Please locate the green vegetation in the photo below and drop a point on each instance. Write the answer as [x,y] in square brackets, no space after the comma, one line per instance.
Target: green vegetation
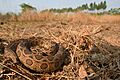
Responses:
[114,11]
[94,7]
[26,7]
[7,16]
[90,7]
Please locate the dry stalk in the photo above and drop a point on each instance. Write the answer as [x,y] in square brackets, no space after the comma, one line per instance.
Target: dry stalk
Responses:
[15,71]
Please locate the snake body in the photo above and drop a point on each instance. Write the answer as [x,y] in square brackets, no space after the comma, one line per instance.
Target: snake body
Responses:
[45,60]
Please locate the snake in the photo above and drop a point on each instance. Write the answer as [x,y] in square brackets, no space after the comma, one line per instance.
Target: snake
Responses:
[48,57]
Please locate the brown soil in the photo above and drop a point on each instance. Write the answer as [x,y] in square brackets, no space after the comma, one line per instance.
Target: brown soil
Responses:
[100,63]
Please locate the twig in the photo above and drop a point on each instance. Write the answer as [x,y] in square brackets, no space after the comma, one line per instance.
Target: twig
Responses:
[23,32]
[16,71]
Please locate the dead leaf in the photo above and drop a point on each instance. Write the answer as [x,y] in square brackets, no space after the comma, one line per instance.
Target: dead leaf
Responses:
[82,72]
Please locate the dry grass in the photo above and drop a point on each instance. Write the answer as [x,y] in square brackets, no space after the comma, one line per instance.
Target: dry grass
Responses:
[100,64]
[79,17]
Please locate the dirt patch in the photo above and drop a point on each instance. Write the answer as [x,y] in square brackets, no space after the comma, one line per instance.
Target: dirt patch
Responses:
[101,62]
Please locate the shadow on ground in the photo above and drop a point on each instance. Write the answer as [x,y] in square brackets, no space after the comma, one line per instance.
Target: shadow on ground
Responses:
[105,61]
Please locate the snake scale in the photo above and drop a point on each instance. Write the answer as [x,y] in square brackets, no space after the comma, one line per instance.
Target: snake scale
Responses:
[40,54]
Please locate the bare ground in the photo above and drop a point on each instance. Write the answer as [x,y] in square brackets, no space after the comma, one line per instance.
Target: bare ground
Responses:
[100,63]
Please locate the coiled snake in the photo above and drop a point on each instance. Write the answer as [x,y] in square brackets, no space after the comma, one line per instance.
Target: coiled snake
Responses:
[48,57]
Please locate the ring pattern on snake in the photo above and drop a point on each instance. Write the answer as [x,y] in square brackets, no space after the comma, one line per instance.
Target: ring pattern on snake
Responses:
[49,58]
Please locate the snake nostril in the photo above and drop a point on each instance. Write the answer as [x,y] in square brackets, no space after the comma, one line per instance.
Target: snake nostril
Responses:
[44,66]
[29,62]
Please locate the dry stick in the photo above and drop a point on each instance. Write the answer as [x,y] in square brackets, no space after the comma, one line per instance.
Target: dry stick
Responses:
[98,45]
[44,31]
[34,34]
[94,64]
[95,30]
[23,32]
[86,36]
[15,71]
[54,36]
[68,43]
[89,37]
[64,41]
[101,30]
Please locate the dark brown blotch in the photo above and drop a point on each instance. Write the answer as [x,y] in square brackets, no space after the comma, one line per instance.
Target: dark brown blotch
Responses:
[51,66]
[29,62]
[50,58]
[26,51]
[44,66]
[38,57]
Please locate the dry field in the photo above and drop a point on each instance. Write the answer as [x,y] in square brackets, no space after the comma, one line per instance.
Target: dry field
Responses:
[100,62]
